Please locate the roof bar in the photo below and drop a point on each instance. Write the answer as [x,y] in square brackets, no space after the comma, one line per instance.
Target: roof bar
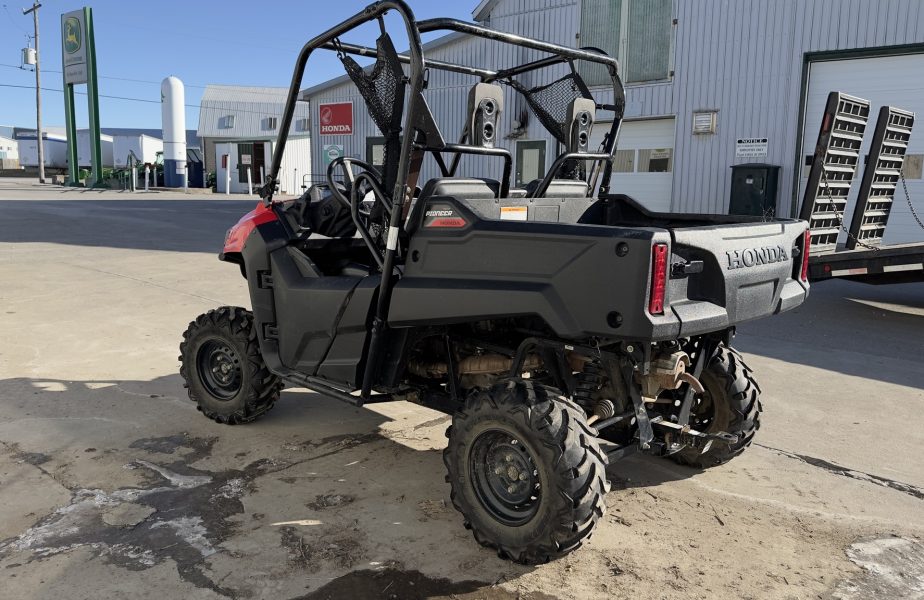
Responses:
[429,25]
[404,58]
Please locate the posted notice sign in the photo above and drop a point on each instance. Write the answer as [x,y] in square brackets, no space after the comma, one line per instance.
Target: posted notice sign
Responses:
[74,46]
[336,118]
[751,147]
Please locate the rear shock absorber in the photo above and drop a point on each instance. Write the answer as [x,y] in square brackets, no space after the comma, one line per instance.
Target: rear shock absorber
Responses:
[589,381]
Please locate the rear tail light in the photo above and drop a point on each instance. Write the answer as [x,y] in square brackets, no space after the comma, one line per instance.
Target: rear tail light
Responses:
[806,246]
[658,279]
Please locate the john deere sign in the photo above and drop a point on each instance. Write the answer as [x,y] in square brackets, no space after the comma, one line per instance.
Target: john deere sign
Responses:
[78,54]
[75,50]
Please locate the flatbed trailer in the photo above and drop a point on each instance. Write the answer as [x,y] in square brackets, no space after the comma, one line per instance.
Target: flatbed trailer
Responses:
[837,159]
[901,263]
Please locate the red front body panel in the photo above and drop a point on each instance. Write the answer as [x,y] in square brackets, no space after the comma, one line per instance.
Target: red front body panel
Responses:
[237,235]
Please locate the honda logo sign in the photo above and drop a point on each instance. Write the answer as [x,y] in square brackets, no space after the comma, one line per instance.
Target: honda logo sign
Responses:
[336,118]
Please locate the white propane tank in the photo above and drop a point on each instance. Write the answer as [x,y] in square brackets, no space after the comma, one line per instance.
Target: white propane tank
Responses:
[173,113]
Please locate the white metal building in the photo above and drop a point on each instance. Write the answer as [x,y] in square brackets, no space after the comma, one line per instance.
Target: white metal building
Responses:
[238,127]
[9,148]
[54,147]
[741,69]
[144,147]
[84,156]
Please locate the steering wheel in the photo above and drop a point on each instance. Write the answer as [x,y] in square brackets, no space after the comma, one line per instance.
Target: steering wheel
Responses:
[359,185]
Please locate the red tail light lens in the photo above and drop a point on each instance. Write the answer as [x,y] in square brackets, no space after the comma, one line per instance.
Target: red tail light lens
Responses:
[658,279]
[806,246]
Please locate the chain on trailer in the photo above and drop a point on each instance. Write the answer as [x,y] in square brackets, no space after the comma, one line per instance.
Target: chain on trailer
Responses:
[840,218]
[914,213]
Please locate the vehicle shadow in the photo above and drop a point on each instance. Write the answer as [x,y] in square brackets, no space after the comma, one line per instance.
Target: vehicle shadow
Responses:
[847,327]
[144,223]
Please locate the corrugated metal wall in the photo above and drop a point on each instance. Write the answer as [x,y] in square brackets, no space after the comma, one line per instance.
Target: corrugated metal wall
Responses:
[743,58]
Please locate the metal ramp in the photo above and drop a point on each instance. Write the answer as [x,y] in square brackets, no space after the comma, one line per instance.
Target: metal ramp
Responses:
[880,178]
[837,155]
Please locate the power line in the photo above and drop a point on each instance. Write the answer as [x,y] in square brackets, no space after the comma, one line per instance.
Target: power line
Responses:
[15,24]
[145,100]
[189,85]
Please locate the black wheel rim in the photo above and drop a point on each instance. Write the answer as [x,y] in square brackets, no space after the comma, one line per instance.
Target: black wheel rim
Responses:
[220,369]
[505,477]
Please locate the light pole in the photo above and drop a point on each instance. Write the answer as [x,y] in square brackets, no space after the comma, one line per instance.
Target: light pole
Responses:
[38,93]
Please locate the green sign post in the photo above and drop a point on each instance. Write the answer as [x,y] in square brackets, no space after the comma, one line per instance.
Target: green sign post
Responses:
[78,55]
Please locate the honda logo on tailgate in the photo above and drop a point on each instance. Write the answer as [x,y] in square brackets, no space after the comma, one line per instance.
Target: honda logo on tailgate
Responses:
[750,257]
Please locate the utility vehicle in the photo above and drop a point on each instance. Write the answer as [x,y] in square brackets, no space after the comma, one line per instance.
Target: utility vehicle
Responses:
[562,326]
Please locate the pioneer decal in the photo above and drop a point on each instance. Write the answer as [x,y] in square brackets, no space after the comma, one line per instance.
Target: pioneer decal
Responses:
[443,216]
[750,257]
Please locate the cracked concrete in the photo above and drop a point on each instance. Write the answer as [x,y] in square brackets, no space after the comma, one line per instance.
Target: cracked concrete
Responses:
[112,485]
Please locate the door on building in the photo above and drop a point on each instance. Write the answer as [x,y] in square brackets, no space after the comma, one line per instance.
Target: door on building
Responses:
[530,157]
[245,161]
[883,80]
[644,162]
[375,152]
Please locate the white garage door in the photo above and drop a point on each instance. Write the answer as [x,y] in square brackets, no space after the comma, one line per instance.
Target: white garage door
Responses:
[887,80]
[644,163]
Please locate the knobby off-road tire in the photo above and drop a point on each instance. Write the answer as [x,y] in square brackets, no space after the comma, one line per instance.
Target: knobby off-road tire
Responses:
[519,423]
[731,403]
[222,367]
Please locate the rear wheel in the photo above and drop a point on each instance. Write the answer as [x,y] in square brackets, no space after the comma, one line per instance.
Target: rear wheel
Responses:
[223,369]
[731,403]
[526,471]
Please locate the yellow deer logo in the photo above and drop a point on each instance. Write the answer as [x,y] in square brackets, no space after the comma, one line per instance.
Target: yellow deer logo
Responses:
[71,35]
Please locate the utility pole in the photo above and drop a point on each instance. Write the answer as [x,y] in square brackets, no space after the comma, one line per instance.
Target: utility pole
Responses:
[38,92]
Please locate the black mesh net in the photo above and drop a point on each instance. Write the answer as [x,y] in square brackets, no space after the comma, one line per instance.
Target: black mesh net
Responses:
[550,103]
[382,87]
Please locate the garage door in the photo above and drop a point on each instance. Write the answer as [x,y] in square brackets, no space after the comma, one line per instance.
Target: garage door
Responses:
[887,80]
[644,163]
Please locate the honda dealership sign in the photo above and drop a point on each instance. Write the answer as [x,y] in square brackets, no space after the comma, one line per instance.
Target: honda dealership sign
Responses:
[336,118]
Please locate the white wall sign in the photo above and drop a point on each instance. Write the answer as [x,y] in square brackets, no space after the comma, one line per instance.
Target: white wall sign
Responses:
[751,147]
[245,159]
[74,47]
[332,152]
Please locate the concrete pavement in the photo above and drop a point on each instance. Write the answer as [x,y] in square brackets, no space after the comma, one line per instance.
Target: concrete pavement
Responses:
[112,485]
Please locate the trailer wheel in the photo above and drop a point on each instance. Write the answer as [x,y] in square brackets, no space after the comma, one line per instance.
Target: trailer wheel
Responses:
[526,471]
[731,403]
[222,367]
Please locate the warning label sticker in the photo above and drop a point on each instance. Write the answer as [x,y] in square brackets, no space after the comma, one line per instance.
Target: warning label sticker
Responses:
[513,213]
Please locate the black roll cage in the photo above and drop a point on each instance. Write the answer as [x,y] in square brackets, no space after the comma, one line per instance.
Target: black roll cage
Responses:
[416,83]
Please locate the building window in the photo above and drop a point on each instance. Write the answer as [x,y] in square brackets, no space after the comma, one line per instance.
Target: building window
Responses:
[302,124]
[636,32]
[655,160]
[270,123]
[624,161]
[226,122]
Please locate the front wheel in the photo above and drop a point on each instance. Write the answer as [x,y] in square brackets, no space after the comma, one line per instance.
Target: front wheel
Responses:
[526,471]
[223,369]
[731,403]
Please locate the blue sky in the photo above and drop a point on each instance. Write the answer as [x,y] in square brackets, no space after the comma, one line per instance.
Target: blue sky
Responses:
[200,41]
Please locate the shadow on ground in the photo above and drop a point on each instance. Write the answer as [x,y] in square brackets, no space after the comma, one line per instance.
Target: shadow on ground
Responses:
[847,327]
[336,492]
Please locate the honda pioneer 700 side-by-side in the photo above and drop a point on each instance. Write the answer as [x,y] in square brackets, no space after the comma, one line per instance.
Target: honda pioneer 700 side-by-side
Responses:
[562,326]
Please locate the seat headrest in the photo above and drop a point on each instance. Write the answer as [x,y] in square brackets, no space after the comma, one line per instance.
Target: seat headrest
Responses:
[463,188]
[559,188]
